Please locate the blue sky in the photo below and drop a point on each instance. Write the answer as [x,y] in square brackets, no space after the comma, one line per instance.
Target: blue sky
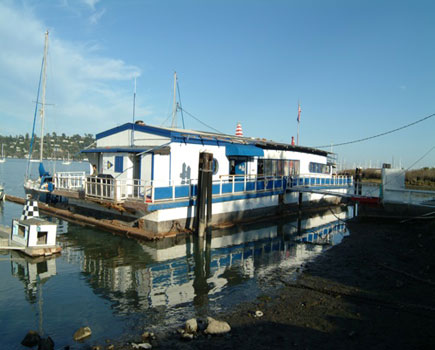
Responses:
[358,68]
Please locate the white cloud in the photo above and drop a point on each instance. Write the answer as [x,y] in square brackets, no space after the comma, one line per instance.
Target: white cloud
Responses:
[96,16]
[90,92]
[91,3]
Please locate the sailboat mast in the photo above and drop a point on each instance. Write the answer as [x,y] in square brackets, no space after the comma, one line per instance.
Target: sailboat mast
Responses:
[174,108]
[42,111]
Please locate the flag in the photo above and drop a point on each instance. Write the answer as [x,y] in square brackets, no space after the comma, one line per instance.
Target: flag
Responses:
[299,113]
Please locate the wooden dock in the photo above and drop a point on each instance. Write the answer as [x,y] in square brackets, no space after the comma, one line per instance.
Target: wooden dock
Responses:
[112,226]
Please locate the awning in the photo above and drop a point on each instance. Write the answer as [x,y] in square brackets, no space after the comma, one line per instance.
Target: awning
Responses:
[243,150]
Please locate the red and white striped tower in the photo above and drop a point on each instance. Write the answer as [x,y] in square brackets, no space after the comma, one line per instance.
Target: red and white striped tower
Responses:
[239,131]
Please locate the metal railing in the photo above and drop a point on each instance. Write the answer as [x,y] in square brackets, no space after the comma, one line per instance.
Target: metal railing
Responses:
[157,191]
[410,197]
[314,180]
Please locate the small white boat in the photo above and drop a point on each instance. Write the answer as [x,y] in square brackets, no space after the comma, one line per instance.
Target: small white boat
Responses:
[3,159]
[31,234]
[67,161]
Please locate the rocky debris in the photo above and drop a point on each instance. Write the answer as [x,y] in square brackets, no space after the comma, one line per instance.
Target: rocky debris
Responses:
[31,339]
[216,327]
[186,336]
[191,326]
[141,346]
[82,333]
[259,313]
[46,344]
[148,336]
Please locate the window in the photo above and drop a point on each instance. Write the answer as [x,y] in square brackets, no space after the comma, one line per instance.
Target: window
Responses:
[42,237]
[215,166]
[277,167]
[119,164]
[319,168]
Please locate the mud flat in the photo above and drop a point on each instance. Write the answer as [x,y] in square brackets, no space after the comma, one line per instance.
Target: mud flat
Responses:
[376,290]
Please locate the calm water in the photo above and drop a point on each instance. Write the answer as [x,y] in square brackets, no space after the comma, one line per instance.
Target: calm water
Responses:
[118,286]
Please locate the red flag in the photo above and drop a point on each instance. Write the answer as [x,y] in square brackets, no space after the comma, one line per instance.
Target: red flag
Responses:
[299,113]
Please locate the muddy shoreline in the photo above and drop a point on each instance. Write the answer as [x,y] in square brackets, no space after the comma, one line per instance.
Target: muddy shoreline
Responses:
[375,290]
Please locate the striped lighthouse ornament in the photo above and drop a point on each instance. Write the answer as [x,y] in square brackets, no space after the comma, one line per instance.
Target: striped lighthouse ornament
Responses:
[239,131]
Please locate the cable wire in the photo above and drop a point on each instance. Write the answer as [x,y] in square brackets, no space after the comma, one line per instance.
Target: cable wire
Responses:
[208,126]
[379,135]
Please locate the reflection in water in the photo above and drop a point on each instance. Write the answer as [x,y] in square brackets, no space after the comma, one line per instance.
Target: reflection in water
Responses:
[200,271]
[32,272]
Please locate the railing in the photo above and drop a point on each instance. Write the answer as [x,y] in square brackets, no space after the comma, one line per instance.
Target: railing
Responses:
[71,181]
[152,191]
[156,191]
[313,180]
[410,197]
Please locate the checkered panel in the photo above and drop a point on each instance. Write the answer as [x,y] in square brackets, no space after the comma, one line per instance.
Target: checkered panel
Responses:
[30,210]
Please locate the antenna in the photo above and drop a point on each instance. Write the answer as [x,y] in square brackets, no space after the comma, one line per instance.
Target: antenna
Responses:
[174,107]
[42,111]
[134,111]
[134,99]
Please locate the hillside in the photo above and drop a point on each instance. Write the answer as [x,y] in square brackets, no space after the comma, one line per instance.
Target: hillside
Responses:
[55,146]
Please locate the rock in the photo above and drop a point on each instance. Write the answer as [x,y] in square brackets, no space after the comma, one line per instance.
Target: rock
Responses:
[111,347]
[258,313]
[141,346]
[187,336]
[82,333]
[191,326]
[31,339]
[217,327]
[148,335]
[46,344]
[96,347]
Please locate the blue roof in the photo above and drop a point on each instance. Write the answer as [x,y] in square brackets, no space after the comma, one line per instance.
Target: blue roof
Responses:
[115,150]
[209,138]
[243,150]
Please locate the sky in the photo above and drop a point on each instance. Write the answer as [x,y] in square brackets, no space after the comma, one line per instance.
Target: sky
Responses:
[357,68]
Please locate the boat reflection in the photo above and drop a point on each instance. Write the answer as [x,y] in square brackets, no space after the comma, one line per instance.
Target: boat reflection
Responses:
[188,269]
[33,272]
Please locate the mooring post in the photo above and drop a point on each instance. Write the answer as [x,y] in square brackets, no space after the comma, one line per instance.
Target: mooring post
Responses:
[358,181]
[204,192]
[300,202]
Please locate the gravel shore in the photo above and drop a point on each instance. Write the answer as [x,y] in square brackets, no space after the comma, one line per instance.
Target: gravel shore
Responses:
[375,290]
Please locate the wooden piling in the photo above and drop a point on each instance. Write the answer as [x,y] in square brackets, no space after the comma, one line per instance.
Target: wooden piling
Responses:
[107,225]
[204,192]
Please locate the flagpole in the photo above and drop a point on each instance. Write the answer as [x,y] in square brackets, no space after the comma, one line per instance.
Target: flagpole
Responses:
[299,120]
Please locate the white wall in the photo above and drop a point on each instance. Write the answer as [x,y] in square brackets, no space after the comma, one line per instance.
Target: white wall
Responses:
[51,234]
[161,169]
[146,164]
[123,139]
[108,165]
[185,158]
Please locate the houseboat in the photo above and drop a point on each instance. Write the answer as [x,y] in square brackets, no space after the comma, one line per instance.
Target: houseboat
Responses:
[147,176]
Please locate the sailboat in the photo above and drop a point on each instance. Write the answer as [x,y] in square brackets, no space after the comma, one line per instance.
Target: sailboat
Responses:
[66,161]
[2,159]
[40,188]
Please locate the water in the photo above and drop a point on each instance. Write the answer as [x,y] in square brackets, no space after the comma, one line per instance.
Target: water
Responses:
[120,286]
